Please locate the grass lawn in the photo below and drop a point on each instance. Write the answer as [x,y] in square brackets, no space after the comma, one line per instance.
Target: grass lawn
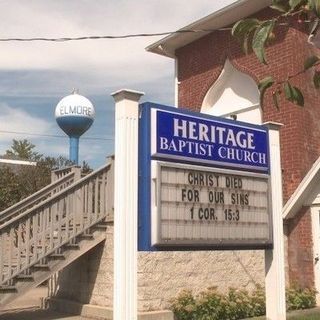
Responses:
[308,314]
[311,317]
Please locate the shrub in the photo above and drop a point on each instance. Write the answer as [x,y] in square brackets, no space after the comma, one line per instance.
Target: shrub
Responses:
[184,306]
[236,304]
[212,305]
[298,298]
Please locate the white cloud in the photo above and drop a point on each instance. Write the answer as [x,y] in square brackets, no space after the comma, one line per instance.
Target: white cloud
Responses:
[44,72]
[99,61]
[17,120]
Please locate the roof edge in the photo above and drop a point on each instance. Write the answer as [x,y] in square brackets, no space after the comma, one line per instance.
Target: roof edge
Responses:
[168,45]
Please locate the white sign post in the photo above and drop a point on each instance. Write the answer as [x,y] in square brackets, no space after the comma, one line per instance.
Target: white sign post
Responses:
[126,204]
[274,259]
[208,196]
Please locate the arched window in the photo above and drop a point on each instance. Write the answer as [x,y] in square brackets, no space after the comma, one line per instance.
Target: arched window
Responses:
[234,95]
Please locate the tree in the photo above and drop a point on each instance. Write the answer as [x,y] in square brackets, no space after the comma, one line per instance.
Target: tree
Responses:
[10,193]
[23,149]
[18,184]
[254,35]
[85,168]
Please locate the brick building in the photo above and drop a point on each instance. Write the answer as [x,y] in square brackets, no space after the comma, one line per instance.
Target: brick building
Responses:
[214,76]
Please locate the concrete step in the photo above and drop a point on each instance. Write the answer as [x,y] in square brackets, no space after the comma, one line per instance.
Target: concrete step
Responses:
[71,246]
[57,256]
[24,277]
[40,266]
[6,289]
[86,237]
[50,265]
[32,299]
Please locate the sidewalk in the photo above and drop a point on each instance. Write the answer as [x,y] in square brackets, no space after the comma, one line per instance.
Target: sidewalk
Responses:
[31,299]
[36,314]
[27,307]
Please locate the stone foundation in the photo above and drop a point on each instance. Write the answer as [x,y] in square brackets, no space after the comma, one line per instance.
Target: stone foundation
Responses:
[161,275]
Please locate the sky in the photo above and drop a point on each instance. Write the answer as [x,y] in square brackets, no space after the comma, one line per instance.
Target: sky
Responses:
[34,76]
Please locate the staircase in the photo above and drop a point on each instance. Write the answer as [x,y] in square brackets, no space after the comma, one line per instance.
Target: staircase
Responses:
[47,231]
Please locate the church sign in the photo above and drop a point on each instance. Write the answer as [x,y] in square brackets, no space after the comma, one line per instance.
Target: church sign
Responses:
[204,182]
[209,140]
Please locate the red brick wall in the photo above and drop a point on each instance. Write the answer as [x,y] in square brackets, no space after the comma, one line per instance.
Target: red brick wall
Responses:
[200,64]
[299,251]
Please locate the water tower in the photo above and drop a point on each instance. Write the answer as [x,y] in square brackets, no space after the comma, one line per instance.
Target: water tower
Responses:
[74,115]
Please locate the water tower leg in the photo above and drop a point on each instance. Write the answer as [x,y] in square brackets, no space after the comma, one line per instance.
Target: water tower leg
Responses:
[74,150]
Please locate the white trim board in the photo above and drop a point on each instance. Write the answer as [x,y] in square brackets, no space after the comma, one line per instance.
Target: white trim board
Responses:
[305,194]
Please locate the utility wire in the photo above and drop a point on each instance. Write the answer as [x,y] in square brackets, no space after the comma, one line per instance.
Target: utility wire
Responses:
[51,135]
[136,35]
[123,36]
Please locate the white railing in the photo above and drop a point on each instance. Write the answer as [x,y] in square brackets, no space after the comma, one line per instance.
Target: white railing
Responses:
[39,196]
[30,237]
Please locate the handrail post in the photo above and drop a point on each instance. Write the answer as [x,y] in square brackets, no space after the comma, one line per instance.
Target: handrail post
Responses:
[53,176]
[59,173]
[77,173]
[110,191]
[126,204]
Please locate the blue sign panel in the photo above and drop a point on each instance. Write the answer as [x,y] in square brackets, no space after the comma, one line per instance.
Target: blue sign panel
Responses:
[193,138]
[198,143]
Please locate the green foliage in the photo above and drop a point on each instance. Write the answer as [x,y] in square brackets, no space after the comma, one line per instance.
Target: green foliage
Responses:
[212,305]
[310,62]
[255,34]
[298,298]
[184,306]
[281,5]
[258,31]
[54,163]
[18,183]
[10,192]
[293,94]
[85,168]
[316,79]
[260,38]
[236,304]
[296,3]
[263,85]
[243,30]
[243,27]
[23,149]
[315,7]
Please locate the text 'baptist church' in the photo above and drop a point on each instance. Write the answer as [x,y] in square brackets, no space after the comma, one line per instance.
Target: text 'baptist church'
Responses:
[211,141]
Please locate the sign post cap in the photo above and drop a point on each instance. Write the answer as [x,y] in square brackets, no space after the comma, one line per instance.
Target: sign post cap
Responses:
[127,94]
